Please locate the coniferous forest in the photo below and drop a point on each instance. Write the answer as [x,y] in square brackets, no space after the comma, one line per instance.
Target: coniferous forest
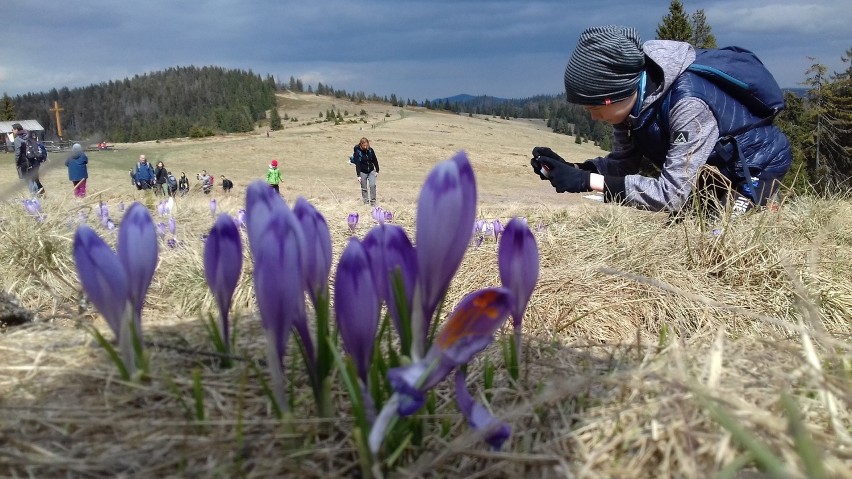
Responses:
[177,102]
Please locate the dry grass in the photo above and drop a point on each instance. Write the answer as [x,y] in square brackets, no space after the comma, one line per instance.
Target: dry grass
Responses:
[651,350]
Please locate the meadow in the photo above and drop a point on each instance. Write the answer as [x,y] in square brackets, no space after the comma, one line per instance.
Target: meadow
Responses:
[650,349]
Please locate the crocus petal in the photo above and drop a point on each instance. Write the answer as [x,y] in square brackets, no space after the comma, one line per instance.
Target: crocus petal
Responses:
[276,243]
[318,254]
[469,330]
[518,262]
[137,250]
[356,305]
[448,197]
[102,276]
[261,204]
[378,214]
[223,263]
[352,221]
[494,431]
[161,229]
[498,228]
[389,251]
[213,206]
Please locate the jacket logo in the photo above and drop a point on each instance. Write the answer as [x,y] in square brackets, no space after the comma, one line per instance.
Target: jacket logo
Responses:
[680,137]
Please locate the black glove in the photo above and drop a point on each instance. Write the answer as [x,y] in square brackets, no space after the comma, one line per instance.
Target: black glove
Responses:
[536,167]
[545,151]
[565,177]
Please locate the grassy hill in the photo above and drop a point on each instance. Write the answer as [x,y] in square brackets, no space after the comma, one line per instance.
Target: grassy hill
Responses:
[650,350]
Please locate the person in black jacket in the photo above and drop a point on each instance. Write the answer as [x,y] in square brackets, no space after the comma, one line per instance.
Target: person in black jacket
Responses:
[161,177]
[227,184]
[183,184]
[366,169]
[27,169]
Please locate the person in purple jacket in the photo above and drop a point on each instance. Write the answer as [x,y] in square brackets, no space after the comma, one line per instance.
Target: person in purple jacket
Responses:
[621,80]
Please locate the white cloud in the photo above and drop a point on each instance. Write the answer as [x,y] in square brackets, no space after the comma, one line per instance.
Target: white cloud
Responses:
[794,18]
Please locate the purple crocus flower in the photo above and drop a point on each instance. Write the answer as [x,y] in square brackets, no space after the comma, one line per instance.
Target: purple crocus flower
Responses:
[161,229]
[276,243]
[223,263]
[318,255]
[497,226]
[137,250]
[172,225]
[517,260]
[389,250]
[352,221]
[241,218]
[171,243]
[378,214]
[121,206]
[448,197]
[110,225]
[161,208]
[33,207]
[99,209]
[356,305]
[494,431]
[388,216]
[213,206]
[102,276]
[469,329]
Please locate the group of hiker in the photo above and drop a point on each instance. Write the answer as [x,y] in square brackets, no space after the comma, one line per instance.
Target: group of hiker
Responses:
[163,182]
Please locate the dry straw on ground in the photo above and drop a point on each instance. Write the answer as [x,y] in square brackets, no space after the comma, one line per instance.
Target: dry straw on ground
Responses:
[651,350]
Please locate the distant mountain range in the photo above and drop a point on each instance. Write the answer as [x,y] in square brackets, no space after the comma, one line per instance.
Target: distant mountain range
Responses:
[467,99]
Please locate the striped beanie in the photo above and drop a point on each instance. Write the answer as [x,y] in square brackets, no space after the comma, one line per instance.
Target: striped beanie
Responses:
[605,67]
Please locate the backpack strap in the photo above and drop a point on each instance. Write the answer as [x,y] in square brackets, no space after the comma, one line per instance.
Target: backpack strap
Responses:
[726,148]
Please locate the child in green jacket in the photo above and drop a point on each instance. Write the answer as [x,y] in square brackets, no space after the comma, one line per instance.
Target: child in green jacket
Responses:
[273,175]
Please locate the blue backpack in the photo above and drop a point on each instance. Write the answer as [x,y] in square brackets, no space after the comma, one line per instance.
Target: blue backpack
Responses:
[739,73]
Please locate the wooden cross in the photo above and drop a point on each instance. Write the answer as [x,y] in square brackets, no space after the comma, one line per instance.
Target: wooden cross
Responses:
[56,109]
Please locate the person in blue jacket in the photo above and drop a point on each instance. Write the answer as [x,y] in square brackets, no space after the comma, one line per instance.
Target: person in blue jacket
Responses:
[620,80]
[143,174]
[78,171]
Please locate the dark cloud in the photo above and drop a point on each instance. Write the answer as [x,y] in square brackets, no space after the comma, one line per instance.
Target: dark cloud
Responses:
[416,50]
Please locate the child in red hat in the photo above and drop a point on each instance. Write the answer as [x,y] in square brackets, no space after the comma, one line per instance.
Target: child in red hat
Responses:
[273,175]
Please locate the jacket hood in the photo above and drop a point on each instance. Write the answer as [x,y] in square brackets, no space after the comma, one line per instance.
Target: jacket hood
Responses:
[673,58]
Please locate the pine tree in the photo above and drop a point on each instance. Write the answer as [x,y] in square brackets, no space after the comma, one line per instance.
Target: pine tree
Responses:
[836,138]
[7,111]
[675,25]
[702,36]
[274,120]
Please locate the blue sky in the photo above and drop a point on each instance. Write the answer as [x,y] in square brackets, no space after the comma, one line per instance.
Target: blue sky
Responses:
[415,49]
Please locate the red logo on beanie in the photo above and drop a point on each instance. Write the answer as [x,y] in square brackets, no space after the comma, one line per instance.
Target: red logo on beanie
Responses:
[607,102]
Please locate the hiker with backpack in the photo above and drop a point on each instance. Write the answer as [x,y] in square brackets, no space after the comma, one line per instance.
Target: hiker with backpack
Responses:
[172,183]
[143,174]
[78,172]
[28,158]
[670,103]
